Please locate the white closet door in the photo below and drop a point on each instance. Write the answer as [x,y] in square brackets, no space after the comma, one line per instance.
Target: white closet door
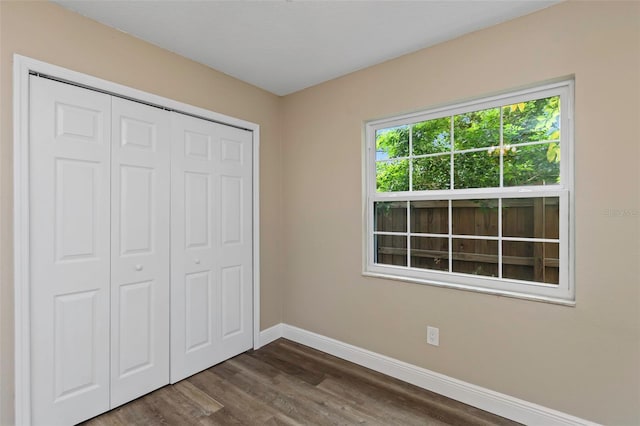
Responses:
[140,223]
[235,245]
[211,263]
[69,249]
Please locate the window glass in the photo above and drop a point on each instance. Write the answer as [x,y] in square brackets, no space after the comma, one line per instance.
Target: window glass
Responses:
[531,217]
[532,165]
[479,169]
[432,173]
[391,250]
[430,253]
[476,257]
[475,217]
[432,136]
[531,121]
[392,175]
[391,216]
[430,217]
[530,261]
[477,129]
[392,143]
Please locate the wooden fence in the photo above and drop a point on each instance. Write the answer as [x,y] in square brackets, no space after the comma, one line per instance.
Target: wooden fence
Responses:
[521,218]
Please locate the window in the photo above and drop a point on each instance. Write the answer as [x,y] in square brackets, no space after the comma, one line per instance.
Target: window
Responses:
[475,195]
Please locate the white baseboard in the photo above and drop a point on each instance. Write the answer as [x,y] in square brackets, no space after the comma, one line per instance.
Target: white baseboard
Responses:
[485,399]
[270,334]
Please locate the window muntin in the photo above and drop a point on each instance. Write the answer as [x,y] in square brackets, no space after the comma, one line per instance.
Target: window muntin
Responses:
[475,195]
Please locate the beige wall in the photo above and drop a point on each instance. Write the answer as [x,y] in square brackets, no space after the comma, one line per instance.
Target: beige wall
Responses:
[49,33]
[584,360]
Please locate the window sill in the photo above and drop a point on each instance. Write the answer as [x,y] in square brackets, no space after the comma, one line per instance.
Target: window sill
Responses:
[495,292]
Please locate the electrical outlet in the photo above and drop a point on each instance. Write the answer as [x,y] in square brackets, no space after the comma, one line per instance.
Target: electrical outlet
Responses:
[433,336]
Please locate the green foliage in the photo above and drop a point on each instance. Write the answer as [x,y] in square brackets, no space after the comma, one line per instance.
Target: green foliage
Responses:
[431,173]
[522,123]
[394,142]
[476,170]
[477,129]
[432,136]
[392,176]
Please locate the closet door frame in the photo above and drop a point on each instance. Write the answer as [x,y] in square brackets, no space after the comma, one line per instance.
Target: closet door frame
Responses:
[22,67]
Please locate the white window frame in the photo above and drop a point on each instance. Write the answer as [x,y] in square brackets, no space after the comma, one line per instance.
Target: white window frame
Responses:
[562,293]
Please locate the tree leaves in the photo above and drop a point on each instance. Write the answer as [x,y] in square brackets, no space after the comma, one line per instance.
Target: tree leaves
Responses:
[521,106]
[530,148]
[553,153]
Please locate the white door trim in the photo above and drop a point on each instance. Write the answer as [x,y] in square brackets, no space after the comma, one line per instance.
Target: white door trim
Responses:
[22,67]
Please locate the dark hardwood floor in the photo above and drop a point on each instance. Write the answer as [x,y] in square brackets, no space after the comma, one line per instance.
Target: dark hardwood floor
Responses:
[285,383]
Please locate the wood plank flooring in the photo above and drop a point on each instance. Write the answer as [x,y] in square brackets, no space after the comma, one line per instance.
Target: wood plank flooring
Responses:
[285,383]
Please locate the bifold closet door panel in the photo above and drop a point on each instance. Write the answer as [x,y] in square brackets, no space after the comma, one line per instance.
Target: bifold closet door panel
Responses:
[140,224]
[194,271]
[211,280]
[69,251]
[236,240]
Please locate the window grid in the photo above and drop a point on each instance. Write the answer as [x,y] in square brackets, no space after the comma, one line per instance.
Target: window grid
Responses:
[451,236]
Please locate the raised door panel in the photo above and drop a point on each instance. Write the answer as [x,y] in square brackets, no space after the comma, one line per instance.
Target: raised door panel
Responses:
[76,195]
[79,122]
[74,345]
[231,189]
[140,250]
[232,295]
[197,145]
[136,215]
[138,134]
[198,309]
[69,251]
[197,208]
[137,320]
